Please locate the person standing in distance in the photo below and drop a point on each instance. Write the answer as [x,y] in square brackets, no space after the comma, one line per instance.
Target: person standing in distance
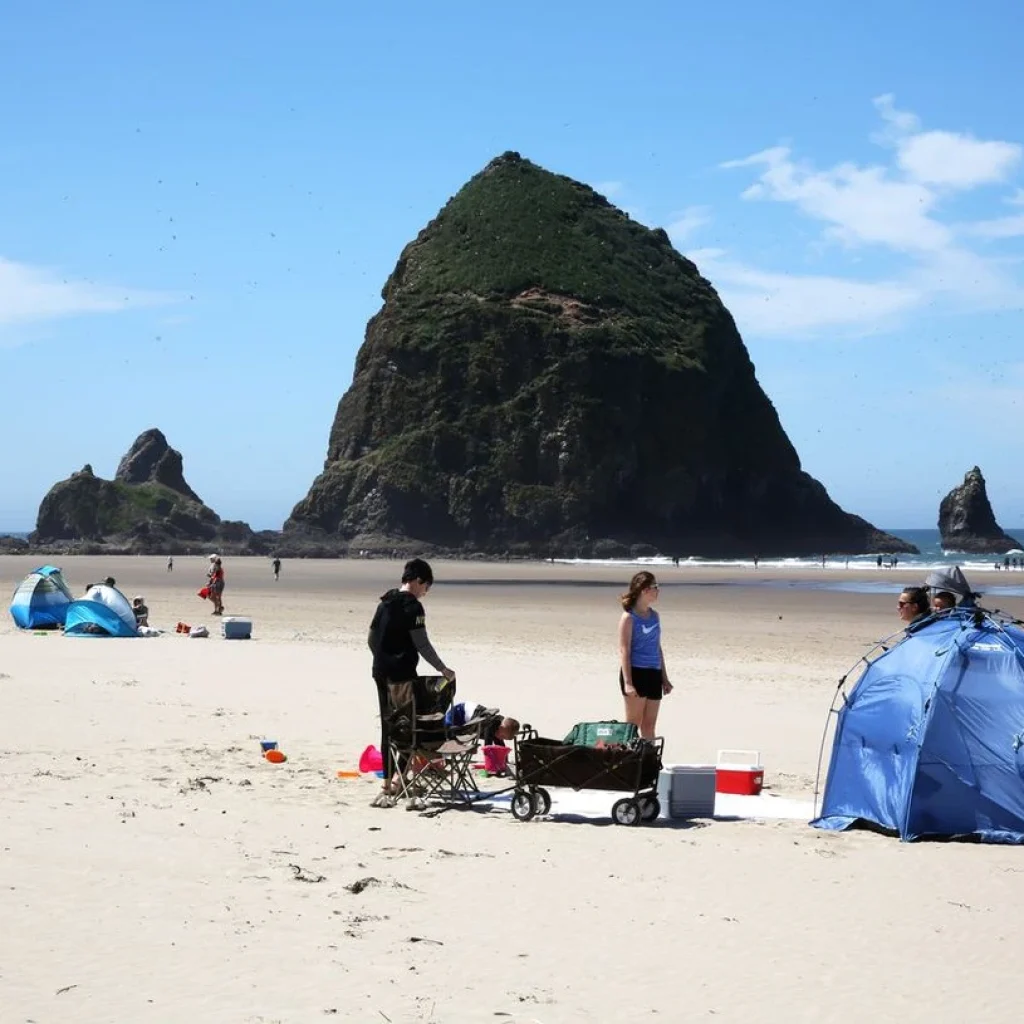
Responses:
[643,678]
[276,565]
[397,639]
[215,584]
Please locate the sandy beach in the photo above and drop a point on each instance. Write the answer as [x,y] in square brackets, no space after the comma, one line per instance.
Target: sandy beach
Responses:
[156,869]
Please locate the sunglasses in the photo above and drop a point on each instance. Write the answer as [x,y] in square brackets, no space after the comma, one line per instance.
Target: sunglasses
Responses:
[902,604]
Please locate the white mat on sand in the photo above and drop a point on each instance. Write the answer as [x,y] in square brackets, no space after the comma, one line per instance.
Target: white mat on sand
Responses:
[767,805]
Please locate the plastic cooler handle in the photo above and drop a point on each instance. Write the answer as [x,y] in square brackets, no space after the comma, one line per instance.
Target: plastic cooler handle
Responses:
[749,757]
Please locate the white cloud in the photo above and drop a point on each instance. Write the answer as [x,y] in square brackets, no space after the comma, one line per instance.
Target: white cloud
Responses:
[893,206]
[957,161]
[954,160]
[898,123]
[862,205]
[684,224]
[770,303]
[1001,227]
[998,227]
[33,293]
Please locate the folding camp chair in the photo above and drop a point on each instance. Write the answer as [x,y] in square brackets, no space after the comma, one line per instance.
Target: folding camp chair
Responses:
[450,773]
[416,729]
[434,761]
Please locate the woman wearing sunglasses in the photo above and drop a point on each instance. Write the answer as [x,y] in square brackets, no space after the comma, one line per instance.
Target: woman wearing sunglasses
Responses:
[913,604]
[643,678]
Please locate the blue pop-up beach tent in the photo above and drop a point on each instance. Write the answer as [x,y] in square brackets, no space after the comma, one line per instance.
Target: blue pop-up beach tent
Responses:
[930,742]
[104,611]
[41,600]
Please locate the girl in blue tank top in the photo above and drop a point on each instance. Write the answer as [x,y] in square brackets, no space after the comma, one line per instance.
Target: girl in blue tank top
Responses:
[643,678]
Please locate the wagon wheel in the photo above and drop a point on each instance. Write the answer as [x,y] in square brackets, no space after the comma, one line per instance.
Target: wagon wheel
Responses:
[522,805]
[541,802]
[626,812]
[650,808]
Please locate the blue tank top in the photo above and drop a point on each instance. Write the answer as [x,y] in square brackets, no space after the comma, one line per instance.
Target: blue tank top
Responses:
[645,647]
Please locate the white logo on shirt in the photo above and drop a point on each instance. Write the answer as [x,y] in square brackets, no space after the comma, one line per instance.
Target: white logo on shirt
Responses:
[648,629]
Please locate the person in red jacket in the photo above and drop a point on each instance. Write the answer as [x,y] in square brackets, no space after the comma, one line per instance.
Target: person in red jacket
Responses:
[215,584]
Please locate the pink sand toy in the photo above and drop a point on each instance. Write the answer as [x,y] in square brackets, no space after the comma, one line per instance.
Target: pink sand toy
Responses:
[371,760]
[495,759]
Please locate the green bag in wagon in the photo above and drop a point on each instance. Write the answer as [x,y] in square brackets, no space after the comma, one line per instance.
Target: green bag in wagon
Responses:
[604,734]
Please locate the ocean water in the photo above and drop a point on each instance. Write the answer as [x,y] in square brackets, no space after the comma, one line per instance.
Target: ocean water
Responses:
[980,570]
[932,556]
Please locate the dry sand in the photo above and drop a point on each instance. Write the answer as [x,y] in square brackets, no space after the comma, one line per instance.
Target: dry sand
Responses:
[149,857]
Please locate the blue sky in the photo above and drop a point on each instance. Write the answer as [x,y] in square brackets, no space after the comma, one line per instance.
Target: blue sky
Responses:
[199,204]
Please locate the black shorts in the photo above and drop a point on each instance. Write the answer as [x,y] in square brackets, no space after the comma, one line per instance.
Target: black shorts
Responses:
[646,681]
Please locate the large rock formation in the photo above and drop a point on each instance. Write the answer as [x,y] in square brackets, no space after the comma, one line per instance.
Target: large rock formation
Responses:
[967,522]
[152,460]
[548,375]
[148,506]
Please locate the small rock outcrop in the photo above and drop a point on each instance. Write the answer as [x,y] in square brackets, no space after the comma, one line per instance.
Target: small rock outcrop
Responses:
[147,507]
[548,376]
[151,460]
[967,522]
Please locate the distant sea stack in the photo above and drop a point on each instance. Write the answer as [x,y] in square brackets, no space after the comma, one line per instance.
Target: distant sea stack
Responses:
[548,376]
[147,507]
[967,522]
[151,460]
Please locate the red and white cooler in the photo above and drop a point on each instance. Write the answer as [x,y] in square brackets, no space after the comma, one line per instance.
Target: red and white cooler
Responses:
[739,772]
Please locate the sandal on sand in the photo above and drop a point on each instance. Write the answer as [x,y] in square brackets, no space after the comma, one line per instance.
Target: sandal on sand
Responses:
[417,803]
[383,800]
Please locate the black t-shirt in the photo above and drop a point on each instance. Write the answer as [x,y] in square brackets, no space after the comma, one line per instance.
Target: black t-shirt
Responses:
[488,733]
[394,654]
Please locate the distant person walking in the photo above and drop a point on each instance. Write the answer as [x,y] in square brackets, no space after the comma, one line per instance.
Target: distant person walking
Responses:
[170,563]
[277,568]
[397,638]
[643,678]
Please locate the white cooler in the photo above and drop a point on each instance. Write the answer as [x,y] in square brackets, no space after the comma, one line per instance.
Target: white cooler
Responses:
[687,790]
[234,627]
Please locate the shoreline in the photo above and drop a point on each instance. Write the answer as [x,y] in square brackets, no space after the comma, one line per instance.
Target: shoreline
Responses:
[534,571]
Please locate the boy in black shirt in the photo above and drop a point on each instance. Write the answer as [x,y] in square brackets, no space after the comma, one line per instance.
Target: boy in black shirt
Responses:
[397,638]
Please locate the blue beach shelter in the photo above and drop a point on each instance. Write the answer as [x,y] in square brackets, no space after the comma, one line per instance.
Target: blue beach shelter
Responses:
[41,599]
[104,611]
[930,741]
